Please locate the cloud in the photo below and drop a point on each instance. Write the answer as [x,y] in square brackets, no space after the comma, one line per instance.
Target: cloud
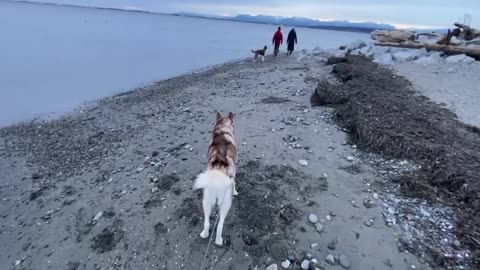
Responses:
[439,13]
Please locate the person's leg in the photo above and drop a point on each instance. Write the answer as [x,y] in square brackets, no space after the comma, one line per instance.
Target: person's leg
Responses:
[275,52]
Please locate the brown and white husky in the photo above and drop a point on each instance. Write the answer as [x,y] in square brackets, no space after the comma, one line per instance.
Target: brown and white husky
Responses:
[218,181]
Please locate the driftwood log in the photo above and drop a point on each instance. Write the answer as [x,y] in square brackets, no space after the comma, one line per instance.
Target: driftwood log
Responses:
[446,39]
[450,50]
[392,35]
[468,32]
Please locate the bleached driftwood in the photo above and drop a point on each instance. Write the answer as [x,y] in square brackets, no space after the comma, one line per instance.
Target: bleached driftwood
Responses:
[392,35]
[450,50]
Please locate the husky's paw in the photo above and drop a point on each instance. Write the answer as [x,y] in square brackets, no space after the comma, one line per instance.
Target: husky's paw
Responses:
[219,241]
[235,193]
[204,234]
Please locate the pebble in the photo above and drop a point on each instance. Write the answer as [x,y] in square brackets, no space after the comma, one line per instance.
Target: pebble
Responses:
[154,189]
[314,246]
[391,210]
[368,203]
[272,267]
[155,153]
[350,158]
[319,227]
[368,223]
[330,259]
[312,218]
[98,216]
[308,256]
[291,258]
[344,261]
[285,264]
[305,264]
[456,243]
[303,162]
[375,196]
[314,261]
[332,245]
[139,169]
[17,262]
[332,214]
[328,217]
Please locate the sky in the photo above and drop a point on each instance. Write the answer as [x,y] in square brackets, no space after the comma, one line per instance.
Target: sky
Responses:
[400,13]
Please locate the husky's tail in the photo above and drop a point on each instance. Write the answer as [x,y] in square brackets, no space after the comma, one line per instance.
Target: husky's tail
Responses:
[216,185]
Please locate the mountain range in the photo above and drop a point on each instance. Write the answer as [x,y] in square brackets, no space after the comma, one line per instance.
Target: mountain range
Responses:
[298,22]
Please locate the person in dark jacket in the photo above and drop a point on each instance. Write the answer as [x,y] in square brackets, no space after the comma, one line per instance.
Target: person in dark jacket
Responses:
[291,41]
[277,40]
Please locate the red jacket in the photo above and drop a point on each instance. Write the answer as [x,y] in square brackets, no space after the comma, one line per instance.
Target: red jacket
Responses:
[277,38]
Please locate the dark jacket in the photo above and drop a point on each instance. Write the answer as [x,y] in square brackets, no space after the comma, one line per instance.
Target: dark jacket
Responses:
[292,36]
[291,39]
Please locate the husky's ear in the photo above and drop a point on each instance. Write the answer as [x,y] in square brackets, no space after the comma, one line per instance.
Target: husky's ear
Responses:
[219,116]
[230,116]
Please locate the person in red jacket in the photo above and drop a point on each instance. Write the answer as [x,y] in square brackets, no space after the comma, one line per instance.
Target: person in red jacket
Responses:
[277,40]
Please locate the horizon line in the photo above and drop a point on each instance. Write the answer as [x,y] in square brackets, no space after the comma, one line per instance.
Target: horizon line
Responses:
[398,26]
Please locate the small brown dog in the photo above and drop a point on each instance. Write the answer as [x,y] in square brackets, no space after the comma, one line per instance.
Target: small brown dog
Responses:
[260,52]
[218,181]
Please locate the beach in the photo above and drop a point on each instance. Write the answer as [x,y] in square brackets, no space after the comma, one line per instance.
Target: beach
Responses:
[109,185]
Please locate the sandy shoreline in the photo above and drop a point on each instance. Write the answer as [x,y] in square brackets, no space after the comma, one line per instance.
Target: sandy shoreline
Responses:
[131,157]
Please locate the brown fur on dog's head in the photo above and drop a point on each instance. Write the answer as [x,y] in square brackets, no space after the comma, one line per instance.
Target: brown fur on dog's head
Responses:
[225,121]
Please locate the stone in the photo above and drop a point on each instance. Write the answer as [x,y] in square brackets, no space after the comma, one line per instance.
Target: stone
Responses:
[312,218]
[35,176]
[155,153]
[368,223]
[377,51]
[456,243]
[368,203]
[391,210]
[344,261]
[328,217]
[335,60]
[460,58]
[350,158]
[305,264]
[308,256]
[455,41]
[384,59]
[272,267]
[291,258]
[330,259]
[404,56]
[427,60]
[319,227]
[285,264]
[303,162]
[375,196]
[332,245]
[154,189]
[98,216]
[139,169]
[314,246]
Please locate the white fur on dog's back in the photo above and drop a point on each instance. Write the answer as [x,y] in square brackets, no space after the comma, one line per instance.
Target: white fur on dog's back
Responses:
[217,186]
